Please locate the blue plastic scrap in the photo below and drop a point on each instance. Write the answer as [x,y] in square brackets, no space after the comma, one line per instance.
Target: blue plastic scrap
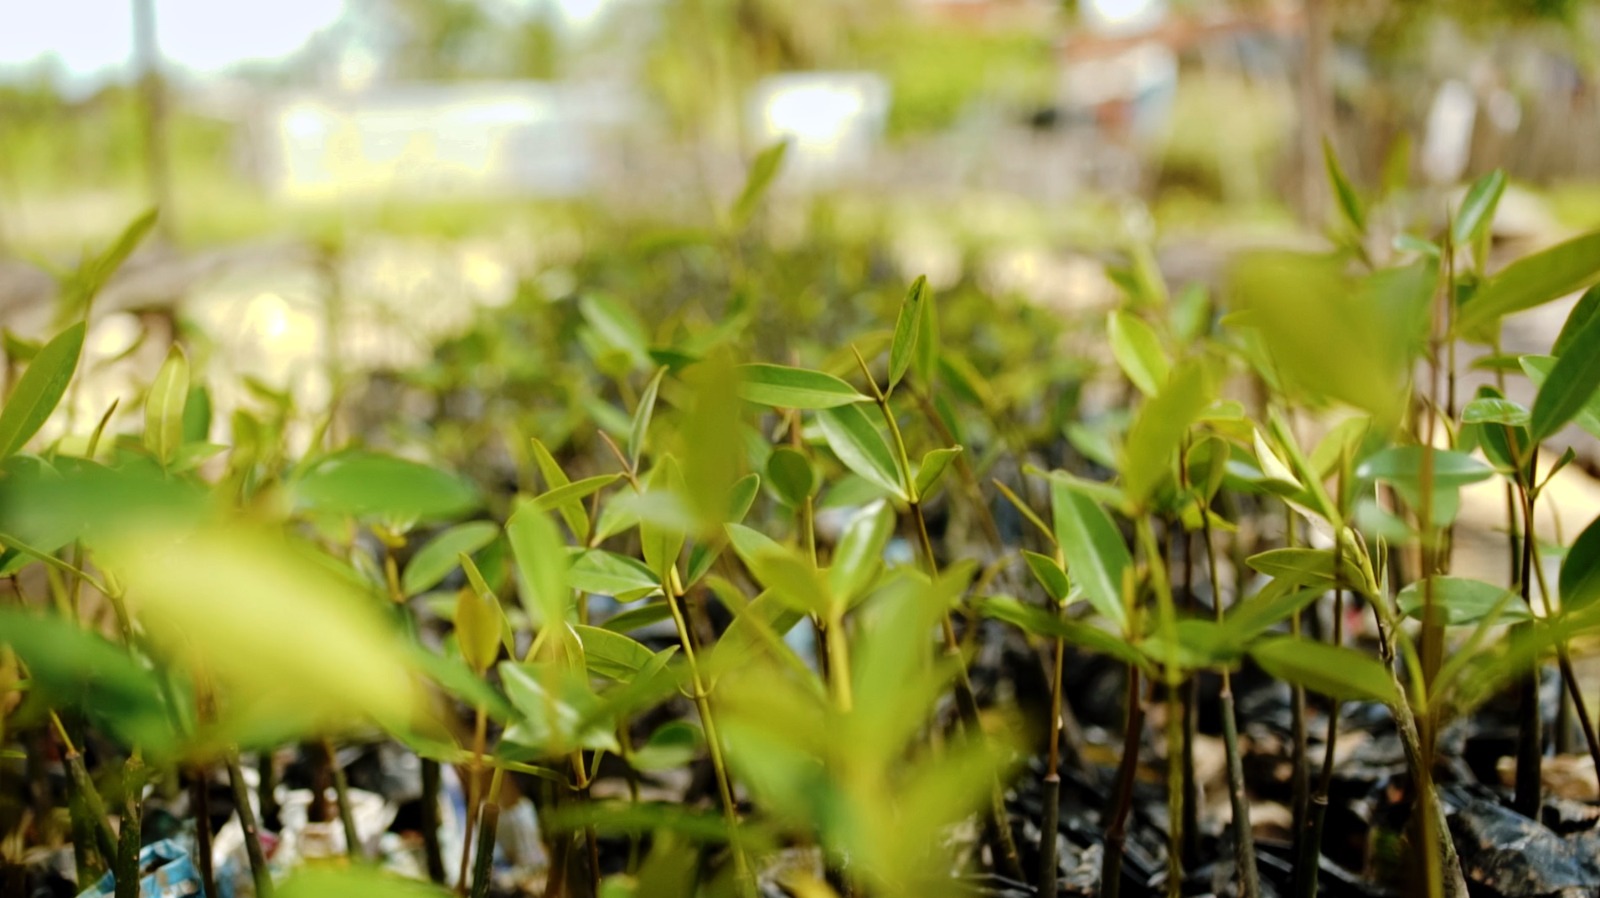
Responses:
[168,874]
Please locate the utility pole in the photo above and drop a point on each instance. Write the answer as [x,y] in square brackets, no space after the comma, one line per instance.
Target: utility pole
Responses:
[153,109]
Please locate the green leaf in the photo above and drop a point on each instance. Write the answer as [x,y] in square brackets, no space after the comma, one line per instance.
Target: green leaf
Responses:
[639,426]
[576,491]
[39,389]
[598,572]
[617,326]
[763,169]
[780,386]
[555,709]
[541,565]
[673,745]
[1580,570]
[1349,202]
[1043,623]
[362,483]
[1049,574]
[612,655]
[794,581]
[69,667]
[790,474]
[1095,552]
[1338,672]
[661,541]
[1477,208]
[636,618]
[163,407]
[1137,349]
[434,561]
[479,622]
[1402,467]
[1494,410]
[1583,311]
[858,444]
[859,555]
[1334,335]
[932,469]
[741,497]
[1464,601]
[1266,609]
[906,328]
[314,881]
[1309,567]
[1151,449]
[554,478]
[1532,281]
[1572,383]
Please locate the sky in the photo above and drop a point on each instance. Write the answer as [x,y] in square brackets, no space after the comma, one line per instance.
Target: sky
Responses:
[93,39]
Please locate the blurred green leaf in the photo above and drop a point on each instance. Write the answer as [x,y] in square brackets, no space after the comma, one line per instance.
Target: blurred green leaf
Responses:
[1049,574]
[39,389]
[1477,208]
[859,555]
[572,511]
[1151,450]
[1043,623]
[1137,349]
[73,668]
[639,425]
[1349,202]
[163,407]
[763,170]
[360,483]
[790,474]
[541,565]
[435,560]
[780,386]
[323,881]
[673,744]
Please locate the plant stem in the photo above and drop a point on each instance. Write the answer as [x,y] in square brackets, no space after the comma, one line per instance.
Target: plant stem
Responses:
[1309,860]
[1191,698]
[1167,622]
[702,701]
[1244,842]
[1049,872]
[430,821]
[341,796]
[247,822]
[267,789]
[1122,799]
[93,806]
[127,878]
[200,797]
[488,829]
[1530,729]
[966,701]
[479,738]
